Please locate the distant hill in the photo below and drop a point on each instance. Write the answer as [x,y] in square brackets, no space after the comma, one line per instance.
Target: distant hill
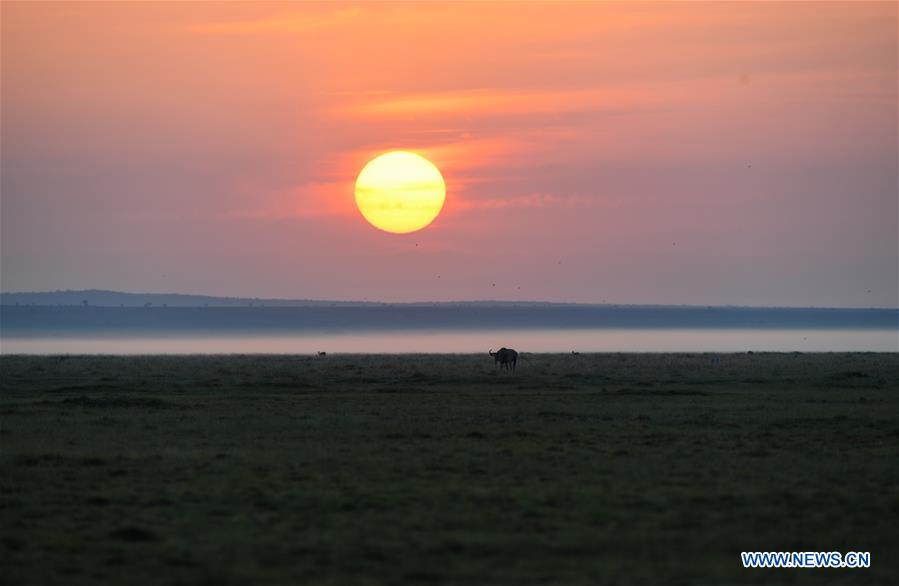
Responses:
[96,312]
[103,298]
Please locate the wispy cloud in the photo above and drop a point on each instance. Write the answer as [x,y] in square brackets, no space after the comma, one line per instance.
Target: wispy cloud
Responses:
[532,201]
[312,200]
[283,24]
[493,102]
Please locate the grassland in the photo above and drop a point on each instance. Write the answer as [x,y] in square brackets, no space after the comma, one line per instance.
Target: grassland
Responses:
[589,469]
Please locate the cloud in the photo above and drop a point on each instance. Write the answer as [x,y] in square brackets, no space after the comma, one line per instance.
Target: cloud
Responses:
[530,201]
[283,24]
[312,200]
[494,102]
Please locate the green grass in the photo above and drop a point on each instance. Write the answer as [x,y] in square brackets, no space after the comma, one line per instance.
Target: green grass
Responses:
[589,469]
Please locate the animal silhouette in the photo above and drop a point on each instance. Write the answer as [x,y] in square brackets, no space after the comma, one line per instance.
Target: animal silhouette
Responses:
[504,357]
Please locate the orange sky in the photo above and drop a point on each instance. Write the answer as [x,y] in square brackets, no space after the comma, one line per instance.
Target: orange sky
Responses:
[630,152]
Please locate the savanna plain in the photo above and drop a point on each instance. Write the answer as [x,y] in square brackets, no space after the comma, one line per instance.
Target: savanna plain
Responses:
[442,469]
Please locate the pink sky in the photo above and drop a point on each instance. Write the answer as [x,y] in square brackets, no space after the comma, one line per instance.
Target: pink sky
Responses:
[699,153]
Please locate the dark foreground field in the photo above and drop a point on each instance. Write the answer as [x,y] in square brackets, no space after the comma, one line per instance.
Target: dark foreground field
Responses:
[590,469]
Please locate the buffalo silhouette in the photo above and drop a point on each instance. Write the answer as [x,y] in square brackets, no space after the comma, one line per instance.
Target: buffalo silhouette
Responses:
[504,357]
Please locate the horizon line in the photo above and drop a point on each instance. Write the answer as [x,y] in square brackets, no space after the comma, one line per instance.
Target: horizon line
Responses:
[444,302]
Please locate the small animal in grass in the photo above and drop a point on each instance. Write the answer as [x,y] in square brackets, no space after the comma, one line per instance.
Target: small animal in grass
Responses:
[322,353]
[575,353]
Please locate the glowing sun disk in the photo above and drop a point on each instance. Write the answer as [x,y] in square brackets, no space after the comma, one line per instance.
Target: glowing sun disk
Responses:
[400,192]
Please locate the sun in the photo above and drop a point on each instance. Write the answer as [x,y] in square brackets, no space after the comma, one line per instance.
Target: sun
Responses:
[400,192]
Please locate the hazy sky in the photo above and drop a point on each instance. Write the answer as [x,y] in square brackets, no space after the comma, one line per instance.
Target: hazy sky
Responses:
[700,153]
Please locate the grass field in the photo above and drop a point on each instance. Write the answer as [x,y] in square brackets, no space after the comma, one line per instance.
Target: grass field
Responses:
[589,469]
